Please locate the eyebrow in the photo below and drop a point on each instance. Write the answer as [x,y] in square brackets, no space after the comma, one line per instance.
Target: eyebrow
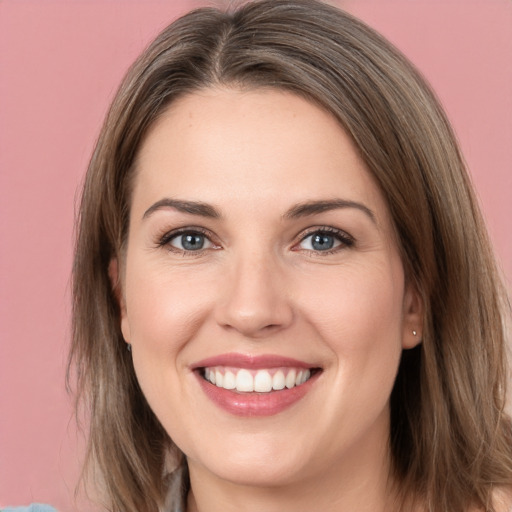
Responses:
[299,210]
[315,207]
[192,207]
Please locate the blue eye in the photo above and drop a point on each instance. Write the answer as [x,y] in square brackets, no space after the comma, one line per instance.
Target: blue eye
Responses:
[190,241]
[324,241]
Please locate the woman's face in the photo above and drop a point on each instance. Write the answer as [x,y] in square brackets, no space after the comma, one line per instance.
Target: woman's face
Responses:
[261,256]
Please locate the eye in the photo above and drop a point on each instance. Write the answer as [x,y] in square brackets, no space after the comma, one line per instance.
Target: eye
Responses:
[325,240]
[190,241]
[187,241]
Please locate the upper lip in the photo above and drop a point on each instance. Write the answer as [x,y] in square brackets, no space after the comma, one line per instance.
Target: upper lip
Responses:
[256,362]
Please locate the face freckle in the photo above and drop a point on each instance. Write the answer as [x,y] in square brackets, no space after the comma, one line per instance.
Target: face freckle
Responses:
[260,243]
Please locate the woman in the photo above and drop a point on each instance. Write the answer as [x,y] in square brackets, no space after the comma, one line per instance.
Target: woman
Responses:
[284,294]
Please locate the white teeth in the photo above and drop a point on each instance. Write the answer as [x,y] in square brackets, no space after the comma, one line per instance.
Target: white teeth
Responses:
[260,381]
[278,381]
[263,382]
[210,375]
[290,379]
[244,381]
[218,378]
[229,380]
[302,377]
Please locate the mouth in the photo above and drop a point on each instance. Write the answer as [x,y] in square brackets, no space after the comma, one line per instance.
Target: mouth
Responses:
[255,385]
[243,380]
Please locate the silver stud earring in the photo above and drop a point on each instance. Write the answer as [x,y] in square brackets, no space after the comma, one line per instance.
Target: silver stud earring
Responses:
[129,347]
[414,333]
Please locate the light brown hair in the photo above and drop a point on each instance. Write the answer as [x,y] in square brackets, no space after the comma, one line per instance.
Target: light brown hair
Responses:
[451,442]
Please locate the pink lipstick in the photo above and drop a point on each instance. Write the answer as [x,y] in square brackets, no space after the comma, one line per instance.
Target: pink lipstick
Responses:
[261,385]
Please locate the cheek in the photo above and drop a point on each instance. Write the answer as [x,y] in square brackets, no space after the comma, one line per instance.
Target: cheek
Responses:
[354,307]
[358,315]
[163,313]
[164,306]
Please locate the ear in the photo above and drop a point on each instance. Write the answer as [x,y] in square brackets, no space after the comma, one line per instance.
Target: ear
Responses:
[413,317]
[115,281]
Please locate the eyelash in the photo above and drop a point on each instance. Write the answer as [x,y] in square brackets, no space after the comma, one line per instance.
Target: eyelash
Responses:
[165,240]
[346,240]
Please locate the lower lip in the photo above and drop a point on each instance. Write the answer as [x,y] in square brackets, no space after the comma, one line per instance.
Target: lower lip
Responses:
[255,404]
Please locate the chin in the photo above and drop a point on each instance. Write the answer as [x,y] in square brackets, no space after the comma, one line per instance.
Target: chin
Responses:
[260,473]
[257,464]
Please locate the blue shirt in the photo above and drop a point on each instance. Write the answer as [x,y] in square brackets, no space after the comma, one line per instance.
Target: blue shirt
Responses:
[35,507]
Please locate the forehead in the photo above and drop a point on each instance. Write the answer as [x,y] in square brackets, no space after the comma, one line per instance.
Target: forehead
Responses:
[256,147]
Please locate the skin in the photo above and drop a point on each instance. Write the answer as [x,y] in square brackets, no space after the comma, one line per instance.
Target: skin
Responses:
[259,287]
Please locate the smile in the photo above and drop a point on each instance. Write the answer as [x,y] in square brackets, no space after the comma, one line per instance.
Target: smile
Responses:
[255,385]
[260,381]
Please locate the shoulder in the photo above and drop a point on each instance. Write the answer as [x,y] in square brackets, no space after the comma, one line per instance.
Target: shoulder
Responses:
[35,507]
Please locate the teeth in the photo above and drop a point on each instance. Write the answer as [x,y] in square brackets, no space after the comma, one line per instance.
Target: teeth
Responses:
[244,381]
[278,380]
[260,381]
[229,380]
[210,375]
[290,379]
[263,382]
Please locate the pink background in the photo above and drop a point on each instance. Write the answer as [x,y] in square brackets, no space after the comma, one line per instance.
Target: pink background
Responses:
[60,62]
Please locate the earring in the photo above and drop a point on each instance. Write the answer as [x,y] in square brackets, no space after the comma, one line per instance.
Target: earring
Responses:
[414,333]
[129,347]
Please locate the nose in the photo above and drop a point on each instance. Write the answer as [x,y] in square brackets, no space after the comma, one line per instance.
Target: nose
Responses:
[255,301]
